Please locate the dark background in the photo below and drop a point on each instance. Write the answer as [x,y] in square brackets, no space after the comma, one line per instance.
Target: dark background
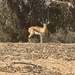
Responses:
[16,16]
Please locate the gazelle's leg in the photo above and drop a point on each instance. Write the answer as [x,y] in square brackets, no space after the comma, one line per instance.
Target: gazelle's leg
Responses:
[41,39]
[31,33]
[29,37]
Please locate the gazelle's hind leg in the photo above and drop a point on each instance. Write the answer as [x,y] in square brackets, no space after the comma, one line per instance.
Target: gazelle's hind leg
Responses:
[30,35]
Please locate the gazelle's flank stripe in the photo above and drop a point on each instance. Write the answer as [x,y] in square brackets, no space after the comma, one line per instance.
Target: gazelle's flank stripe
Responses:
[38,31]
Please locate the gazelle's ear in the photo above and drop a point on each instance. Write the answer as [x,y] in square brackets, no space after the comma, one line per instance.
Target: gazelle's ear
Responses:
[40,21]
[48,22]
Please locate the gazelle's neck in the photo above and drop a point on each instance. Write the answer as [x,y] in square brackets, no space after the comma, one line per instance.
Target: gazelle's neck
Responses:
[44,26]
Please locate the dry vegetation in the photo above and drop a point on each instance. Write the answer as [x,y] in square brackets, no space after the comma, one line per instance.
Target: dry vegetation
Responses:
[49,58]
[37,59]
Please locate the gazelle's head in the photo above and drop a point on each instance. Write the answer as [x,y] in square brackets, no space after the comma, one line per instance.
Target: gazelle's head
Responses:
[44,23]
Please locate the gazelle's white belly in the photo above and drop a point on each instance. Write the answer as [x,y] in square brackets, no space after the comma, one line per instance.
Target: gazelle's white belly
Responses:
[37,33]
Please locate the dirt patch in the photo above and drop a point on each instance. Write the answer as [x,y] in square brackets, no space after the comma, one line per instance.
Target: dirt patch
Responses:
[43,59]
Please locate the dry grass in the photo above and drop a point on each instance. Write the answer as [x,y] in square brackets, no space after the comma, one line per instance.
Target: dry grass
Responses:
[53,58]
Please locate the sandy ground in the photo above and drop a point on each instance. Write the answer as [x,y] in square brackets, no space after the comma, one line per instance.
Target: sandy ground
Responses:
[42,59]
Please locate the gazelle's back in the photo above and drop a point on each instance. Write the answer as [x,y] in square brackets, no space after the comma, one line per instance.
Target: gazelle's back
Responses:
[35,28]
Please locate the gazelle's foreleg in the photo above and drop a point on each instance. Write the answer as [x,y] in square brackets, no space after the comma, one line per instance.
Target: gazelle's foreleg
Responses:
[41,39]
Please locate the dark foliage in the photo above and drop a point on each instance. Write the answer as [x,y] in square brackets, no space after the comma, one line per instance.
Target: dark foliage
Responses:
[25,13]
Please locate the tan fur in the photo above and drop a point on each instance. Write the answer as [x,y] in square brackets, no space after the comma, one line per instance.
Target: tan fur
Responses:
[38,31]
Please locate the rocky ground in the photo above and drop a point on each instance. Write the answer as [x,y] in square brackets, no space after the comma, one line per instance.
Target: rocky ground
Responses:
[37,59]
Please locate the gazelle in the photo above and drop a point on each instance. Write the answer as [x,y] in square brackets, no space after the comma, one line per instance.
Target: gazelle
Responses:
[38,31]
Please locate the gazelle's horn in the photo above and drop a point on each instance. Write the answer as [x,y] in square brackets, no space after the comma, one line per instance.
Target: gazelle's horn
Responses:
[48,22]
[40,21]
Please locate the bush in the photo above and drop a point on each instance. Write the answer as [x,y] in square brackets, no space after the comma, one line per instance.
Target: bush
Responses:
[62,37]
